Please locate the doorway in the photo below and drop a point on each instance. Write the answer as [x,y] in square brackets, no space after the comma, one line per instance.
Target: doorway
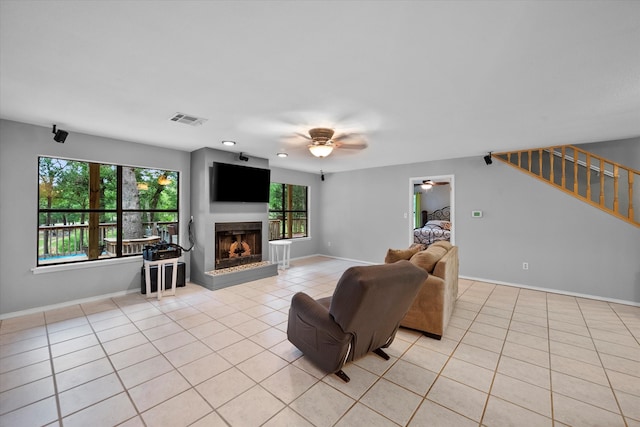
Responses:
[433,200]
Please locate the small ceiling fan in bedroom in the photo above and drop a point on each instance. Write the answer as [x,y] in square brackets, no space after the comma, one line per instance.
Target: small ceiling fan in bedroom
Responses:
[428,184]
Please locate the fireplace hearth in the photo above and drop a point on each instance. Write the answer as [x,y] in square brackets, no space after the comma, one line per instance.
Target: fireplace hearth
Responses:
[237,243]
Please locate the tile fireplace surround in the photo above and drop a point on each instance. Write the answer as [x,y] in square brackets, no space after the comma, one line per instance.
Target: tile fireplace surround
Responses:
[509,356]
[237,255]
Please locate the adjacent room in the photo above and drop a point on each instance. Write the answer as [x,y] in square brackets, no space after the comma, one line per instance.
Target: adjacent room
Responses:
[354,213]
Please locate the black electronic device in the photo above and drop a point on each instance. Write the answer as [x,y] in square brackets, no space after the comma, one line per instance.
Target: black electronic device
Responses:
[235,183]
[160,251]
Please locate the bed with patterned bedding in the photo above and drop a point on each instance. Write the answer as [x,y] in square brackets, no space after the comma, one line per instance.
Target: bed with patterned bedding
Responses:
[437,226]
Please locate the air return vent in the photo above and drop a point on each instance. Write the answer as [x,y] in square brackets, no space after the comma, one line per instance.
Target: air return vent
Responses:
[187,119]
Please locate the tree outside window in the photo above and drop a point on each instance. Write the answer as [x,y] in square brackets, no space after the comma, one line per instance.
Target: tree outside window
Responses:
[288,217]
[93,211]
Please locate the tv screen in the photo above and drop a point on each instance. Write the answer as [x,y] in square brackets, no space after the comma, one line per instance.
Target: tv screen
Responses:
[235,183]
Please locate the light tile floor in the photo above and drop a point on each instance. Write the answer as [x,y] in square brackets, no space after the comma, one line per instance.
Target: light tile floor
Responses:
[510,357]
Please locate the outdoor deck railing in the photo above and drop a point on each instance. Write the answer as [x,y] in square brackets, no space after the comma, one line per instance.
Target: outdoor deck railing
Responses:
[71,239]
[298,228]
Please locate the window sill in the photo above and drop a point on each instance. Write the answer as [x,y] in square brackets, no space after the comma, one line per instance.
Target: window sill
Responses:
[87,264]
[293,239]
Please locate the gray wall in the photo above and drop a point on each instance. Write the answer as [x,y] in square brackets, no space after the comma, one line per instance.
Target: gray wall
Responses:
[623,151]
[20,146]
[569,245]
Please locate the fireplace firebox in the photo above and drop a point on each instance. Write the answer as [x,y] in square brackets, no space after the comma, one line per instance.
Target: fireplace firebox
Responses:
[237,243]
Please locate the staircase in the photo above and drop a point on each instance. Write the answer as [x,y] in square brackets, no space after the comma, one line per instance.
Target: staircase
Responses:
[595,180]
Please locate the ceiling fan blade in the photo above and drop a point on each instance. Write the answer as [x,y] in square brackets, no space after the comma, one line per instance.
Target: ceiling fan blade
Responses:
[354,146]
[300,134]
[343,136]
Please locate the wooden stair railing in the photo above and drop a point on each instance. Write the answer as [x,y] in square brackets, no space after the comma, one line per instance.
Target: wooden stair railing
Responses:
[595,180]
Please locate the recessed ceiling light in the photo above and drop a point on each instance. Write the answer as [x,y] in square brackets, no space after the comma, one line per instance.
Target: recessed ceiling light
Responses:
[282,154]
[229,143]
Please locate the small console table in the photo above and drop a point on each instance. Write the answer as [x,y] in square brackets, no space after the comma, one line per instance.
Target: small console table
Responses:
[274,247]
[161,263]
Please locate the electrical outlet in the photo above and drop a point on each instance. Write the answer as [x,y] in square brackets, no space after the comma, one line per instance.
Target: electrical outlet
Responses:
[525,265]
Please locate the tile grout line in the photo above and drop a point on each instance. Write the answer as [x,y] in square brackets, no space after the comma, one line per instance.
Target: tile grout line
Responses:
[53,372]
[615,397]
[115,371]
[495,371]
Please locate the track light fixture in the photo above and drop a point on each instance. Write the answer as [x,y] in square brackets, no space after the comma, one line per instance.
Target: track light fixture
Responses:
[243,158]
[487,159]
[59,135]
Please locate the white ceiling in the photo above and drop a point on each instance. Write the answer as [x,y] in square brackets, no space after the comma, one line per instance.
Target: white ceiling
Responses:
[423,80]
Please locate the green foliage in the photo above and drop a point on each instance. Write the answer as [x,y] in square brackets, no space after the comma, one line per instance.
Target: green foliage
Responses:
[64,184]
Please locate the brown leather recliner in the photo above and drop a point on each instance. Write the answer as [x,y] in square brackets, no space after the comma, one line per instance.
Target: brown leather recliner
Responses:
[363,315]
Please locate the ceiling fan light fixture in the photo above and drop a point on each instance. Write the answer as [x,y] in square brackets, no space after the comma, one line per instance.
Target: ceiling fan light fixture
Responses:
[426,186]
[320,150]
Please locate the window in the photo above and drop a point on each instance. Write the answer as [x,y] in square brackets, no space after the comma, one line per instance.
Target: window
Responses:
[288,211]
[93,211]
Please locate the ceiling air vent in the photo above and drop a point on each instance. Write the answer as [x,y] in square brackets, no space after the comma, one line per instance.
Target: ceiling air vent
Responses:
[187,119]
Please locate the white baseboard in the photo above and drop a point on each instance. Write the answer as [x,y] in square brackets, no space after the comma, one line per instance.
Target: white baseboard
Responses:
[552,291]
[478,279]
[518,285]
[66,304]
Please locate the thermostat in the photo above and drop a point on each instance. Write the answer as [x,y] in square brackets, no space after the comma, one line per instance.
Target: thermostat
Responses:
[476,214]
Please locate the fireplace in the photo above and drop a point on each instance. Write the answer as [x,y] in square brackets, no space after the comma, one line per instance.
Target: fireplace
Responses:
[237,243]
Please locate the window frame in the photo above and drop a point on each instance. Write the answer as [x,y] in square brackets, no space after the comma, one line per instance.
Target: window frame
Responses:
[286,214]
[119,211]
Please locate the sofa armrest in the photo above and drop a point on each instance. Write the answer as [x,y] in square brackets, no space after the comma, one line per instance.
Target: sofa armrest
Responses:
[312,329]
[447,266]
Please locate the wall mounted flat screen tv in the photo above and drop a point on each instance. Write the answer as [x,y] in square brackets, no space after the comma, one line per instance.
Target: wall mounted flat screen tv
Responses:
[236,183]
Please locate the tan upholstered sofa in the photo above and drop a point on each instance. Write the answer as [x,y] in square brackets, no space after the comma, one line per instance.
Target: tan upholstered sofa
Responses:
[432,307]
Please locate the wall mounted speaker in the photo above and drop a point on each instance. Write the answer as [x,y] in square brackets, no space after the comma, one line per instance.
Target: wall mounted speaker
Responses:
[59,135]
[487,159]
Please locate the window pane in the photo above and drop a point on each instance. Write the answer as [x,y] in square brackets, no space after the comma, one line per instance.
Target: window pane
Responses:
[60,241]
[299,224]
[63,184]
[149,189]
[109,187]
[275,196]
[299,197]
[146,228]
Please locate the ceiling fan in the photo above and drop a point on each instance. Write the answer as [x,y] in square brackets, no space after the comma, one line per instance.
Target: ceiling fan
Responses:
[322,141]
[428,184]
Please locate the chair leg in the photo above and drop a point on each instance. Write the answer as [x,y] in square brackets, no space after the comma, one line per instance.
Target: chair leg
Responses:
[381,353]
[344,377]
